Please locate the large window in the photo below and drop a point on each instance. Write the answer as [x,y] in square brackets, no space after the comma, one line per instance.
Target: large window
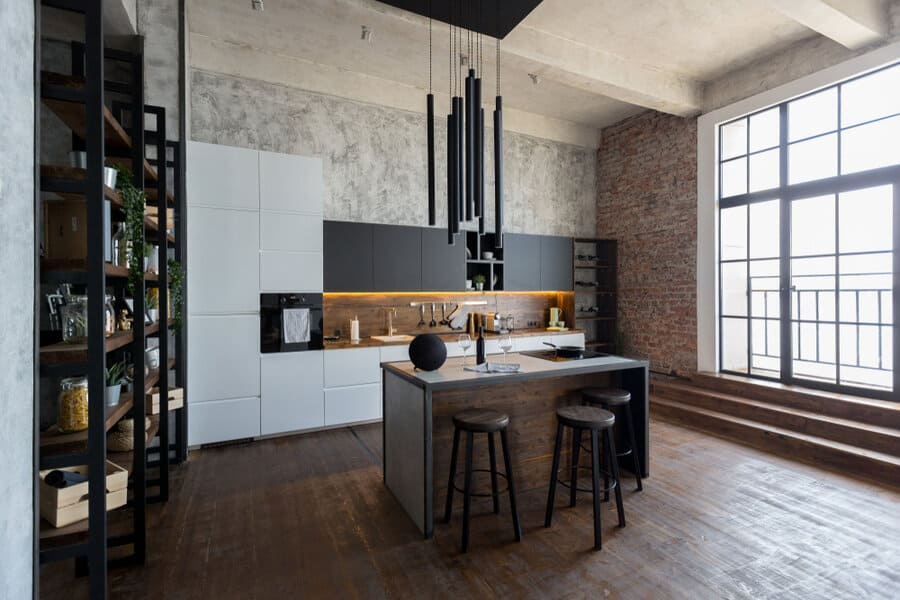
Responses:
[809,196]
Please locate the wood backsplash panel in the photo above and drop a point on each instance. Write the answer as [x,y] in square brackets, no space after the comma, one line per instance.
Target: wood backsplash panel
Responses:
[371,309]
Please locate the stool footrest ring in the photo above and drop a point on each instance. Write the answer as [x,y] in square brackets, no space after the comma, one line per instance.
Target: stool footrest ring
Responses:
[479,495]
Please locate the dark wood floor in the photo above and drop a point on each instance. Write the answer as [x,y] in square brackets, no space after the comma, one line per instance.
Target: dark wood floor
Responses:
[308,517]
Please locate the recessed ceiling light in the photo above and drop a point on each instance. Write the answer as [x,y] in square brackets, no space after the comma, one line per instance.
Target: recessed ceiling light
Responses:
[366,34]
[535,78]
[257,5]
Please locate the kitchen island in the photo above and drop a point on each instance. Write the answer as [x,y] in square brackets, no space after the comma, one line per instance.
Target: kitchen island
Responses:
[419,408]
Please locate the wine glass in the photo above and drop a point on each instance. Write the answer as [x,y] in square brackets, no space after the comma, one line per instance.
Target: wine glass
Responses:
[506,344]
[465,342]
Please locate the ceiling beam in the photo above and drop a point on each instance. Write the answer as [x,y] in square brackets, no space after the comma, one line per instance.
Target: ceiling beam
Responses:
[853,24]
[599,72]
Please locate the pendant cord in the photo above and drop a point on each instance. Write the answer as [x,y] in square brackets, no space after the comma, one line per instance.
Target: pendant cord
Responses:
[429,49]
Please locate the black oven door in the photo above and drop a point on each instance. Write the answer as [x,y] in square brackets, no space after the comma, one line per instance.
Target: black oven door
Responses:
[271,322]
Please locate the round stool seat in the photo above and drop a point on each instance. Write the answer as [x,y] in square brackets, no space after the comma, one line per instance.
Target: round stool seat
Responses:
[606,396]
[585,417]
[481,419]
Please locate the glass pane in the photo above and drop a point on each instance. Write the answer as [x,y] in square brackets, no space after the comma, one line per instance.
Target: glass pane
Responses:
[848,306]
[870,97]
[869,348]
[734,139]
[813,159]
[848,345]
[765,235]
[765,286]
[866,218]
[812,115]
[764,170]
[734,289]
[734,177]
[733,242]
[765,130]
[812,226]
[870,146]
[734,345]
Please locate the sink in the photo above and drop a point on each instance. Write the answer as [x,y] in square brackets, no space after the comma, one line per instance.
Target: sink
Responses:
[393,338]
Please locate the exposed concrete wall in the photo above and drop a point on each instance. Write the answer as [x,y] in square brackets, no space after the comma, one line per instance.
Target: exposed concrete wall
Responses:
[158,23]
[375,159]
[16,298]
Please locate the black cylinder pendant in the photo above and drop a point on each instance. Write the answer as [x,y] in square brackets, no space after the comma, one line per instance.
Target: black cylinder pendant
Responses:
[498,173]
[432,218]
[478,175]
[461,160]
[470,145]
[452,225]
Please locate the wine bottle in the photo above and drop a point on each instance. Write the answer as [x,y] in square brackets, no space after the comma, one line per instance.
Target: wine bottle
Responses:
[479,346]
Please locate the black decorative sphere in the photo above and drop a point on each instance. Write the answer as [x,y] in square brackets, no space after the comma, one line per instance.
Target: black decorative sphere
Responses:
[427,352]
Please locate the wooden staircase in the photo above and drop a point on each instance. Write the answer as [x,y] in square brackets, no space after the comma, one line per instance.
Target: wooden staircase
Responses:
[856,436]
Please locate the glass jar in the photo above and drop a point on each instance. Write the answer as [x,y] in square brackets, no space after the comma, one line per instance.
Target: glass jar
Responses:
[119,250]
[109,316]
[74,319]
[72,414]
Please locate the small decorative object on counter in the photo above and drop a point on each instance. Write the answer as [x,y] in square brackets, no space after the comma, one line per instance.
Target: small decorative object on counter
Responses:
[151,303]
[478,279]
[114,377]
[124,321]
[73,405]
[109,316]
[427,352]
[152,251]
[74,319]
[354,329]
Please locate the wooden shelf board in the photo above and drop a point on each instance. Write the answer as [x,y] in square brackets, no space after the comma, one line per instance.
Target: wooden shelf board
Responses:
[73,113]
[63,352]
[482,261]
[125,163]
[604,267]
[114,414]
[594,292]
[78,265]
[597,344]
[577,318]
[75,174]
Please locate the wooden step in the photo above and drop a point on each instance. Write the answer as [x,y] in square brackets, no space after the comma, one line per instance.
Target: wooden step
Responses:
[880,468]
[844,406]
[854,433]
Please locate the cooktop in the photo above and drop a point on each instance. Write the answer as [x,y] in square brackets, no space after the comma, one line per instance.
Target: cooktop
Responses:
[551,355]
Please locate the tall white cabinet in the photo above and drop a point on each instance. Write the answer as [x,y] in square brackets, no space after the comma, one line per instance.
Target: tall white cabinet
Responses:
[254,225]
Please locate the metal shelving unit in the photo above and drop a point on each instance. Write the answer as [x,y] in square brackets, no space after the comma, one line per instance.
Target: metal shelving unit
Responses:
[594,274]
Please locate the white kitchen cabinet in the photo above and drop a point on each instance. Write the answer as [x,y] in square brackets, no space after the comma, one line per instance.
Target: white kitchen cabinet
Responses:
[291,395]
[290,232]
[290,271]
[568,339]
[395,353]
[223,358]
[352,366]
[352,403]
[223,261]
[223,420]
[530,343]
[290,183]
[222,177]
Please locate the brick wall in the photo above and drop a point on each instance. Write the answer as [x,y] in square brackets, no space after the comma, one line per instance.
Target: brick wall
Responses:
[647,200]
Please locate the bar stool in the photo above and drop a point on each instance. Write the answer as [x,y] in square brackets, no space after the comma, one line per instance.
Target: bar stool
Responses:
[611,398]
[600,423]
[481,420]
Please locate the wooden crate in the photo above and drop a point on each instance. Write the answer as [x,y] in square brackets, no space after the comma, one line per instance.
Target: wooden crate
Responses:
[176,399]
[64,506]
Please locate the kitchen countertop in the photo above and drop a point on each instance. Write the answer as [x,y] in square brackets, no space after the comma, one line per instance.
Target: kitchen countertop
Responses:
[447,336]
[452,374]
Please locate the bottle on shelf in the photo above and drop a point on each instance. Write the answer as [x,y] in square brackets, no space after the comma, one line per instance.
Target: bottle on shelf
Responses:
[479,346]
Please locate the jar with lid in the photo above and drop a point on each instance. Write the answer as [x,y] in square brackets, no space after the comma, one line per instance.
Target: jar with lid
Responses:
[109,316]
[74,319]
[72,414]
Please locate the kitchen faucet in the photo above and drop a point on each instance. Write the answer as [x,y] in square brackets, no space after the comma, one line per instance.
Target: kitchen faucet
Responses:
[391,311]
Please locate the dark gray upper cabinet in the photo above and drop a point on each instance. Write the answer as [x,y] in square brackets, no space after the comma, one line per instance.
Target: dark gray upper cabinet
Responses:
[556,263]
[348,262]
[522,262]
[443,265]
[398,258]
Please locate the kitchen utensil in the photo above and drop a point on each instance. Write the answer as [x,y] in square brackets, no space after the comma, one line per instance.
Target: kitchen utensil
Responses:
[555,313]
[443,320]
[567,351]
[487,255]
[433,323]
[421,315]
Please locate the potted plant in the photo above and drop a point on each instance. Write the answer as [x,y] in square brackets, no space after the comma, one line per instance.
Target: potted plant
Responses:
[151,305]
[176,291]
[479,280]
[115,375]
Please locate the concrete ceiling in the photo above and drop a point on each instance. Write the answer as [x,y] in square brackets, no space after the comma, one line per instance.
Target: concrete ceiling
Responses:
[598,61]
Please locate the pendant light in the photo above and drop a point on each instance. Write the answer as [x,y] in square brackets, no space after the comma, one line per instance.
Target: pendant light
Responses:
[432,218]
[498,158]
[452,203]
[479,135]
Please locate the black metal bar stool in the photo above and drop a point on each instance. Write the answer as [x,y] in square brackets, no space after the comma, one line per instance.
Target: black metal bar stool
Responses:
[612,398]
[481,420]
[600,423]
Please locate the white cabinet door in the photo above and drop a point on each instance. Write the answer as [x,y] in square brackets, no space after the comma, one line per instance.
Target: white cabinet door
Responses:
[290,183]
[394,353]
[569,339]
[291,395]
[222,176]
[223,357]
[290,232]
[352,366]
[223,261]
[530,343]
[290,271]
[352,404]
[223,420]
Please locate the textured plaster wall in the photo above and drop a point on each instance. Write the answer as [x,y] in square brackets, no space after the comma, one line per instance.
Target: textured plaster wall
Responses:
[16,296]
[158,23]
[374,156]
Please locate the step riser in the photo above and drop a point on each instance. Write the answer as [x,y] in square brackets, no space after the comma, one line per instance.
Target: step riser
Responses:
[833,407]
[871,440]
[768,441]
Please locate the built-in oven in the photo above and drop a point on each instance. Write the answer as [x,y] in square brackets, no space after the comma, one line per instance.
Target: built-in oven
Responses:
[290,322]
